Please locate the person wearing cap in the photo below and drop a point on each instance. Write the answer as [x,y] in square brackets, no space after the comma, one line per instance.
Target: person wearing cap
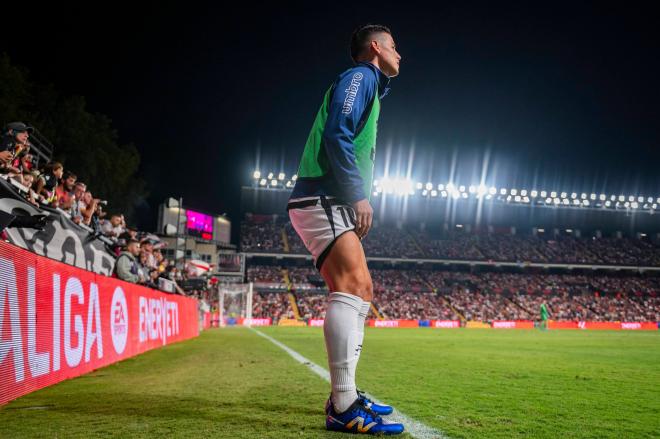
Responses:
[148,248]
[14,143]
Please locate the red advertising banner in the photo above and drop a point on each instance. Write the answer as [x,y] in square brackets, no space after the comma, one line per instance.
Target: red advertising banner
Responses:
[513,324]
[640,326]
[58,321]
[600,325]
[562,325]
[394,323]
[445,324]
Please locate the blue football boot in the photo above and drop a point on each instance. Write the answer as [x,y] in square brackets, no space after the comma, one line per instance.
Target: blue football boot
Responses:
[358,419]
[379,409]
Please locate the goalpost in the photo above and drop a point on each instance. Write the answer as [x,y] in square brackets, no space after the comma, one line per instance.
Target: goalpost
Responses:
[234,295]
[234,303]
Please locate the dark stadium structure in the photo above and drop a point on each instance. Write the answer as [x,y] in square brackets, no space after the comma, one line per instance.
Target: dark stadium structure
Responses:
[469,257]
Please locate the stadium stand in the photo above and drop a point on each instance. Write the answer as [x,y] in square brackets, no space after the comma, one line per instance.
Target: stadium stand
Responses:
[409,243]
[484,296]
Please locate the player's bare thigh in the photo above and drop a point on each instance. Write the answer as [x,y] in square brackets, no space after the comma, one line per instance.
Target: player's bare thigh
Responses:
[345,268]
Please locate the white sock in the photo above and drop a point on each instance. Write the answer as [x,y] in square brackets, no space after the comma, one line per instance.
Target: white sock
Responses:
[342,337]
[362,316]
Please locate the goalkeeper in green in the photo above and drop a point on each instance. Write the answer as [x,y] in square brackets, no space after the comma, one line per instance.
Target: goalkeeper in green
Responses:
[544,317]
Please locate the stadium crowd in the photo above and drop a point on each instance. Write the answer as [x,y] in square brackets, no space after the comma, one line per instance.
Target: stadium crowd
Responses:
[485,296]
[462,245]
[139,256]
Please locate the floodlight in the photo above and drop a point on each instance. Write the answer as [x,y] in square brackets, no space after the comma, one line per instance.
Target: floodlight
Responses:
[434,193]
[592,197]
[425,192]
[602,197]
[464,195]
[419,185]
[631,198]
[627,204]
[472,189]
[622,198]
[634,205]
[608,203]
[295,177]
[523,192]
[455,194]
[288,183]
[462,188]
[517,198]
[583,196]
[443,194]
[450,187]
[273,182]
[514,191]
[270,175]
[263,182]
[557,201]
[534,194]
[564,194]
[256,175]
[548,200]
[441,187]
[576,202]
[503,191]
[375,183]
[429,186]
[492,190]
[586,202]
[553,194]
[640,199]
[566,201]
[654,206]
[649,200]
[281,176]
[544,194]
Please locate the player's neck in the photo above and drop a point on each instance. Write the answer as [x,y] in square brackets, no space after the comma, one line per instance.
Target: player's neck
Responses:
[373,61]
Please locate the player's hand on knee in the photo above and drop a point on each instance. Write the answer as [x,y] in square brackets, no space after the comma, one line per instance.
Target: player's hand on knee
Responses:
[363,217]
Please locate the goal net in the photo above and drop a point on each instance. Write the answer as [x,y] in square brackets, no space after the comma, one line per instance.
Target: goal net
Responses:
[234,303]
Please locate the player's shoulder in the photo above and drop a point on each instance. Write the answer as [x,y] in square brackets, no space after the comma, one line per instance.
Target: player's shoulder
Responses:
[361,72]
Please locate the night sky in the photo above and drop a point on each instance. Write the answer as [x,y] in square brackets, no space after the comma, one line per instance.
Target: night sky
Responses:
[561,97]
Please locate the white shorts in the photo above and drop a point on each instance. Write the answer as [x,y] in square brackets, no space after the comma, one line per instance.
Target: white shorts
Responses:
[319,221]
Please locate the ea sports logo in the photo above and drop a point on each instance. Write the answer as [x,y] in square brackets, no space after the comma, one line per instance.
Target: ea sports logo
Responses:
[119,320]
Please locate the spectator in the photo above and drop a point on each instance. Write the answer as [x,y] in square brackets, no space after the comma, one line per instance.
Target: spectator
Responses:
[64,191]
[24,162]
[14,143]
[27,180]
[85,209]
[112,228]
[148,249]
[78,192]
[45,185]
[127,266]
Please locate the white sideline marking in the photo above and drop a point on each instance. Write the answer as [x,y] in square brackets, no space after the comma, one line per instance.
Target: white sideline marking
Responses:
[415,428]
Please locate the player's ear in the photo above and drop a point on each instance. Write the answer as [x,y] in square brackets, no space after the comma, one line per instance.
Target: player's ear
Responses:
[375,46]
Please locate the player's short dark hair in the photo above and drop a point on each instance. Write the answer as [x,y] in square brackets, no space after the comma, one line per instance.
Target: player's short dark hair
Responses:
[362,37]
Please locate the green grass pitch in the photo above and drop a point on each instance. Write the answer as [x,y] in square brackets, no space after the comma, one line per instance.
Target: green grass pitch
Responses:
[465,383]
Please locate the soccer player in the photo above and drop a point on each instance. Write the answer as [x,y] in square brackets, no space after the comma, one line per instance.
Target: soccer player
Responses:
[544,317]
[329,209]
